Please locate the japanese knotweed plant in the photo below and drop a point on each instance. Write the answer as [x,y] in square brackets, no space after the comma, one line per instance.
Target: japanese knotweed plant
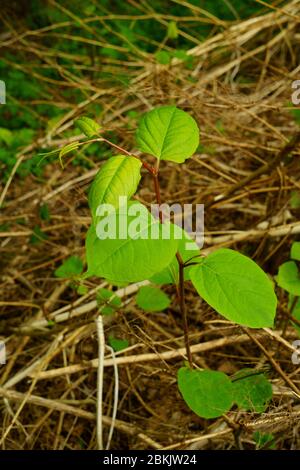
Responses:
[231,283]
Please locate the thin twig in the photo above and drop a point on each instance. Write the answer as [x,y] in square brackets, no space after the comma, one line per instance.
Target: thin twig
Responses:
[116,398]
[101,349]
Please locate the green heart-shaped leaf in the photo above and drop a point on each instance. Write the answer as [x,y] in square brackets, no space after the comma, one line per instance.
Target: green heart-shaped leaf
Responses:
[134,256]
[168,133]
[288,277]
[237,288]
[208,393]
[252,391]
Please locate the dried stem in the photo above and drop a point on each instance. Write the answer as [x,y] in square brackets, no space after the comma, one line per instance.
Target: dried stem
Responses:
[101,350]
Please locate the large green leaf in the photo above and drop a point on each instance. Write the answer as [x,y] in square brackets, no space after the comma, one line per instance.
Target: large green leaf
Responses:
[208,393]
[170,274]
[252,391]
[288,277]
[237,288]
[152,299]
[168,133]
[132,257]
[119,176]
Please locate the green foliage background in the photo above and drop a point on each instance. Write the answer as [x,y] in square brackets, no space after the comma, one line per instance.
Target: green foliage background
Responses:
[124,31]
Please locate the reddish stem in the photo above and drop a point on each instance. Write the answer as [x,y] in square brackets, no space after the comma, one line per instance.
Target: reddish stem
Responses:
[180,287]
[148,167]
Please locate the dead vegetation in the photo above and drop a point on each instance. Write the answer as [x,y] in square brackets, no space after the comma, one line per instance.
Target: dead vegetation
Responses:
[238,91]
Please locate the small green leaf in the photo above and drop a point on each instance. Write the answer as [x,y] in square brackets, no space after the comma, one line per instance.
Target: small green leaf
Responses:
[163,57]
[72,266]
[44,212]
[37,236]
[109,298]
[288,277]
[265,440]
[172,30]
[118,344]
[106,310]
[295,112]
[168,133]
[82,289]
[88,126]
[152,299]
[208,393]
[295,251]
[252,391]
[237,288]
[103,295]
[119,176]
[295,200]
[296,311]
[181,54]
[6,136]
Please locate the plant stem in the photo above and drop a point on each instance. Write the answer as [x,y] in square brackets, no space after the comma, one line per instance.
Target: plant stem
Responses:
[180,287]
[182,304]
[157,192]
[149,168]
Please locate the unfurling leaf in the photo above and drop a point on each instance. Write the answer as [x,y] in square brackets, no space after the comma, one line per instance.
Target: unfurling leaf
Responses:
[67,149]
[88,126]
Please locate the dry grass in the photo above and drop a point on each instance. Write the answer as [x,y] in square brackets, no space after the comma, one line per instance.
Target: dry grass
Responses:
[238,92]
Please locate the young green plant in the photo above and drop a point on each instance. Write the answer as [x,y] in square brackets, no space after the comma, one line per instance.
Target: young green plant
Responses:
[231,283]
